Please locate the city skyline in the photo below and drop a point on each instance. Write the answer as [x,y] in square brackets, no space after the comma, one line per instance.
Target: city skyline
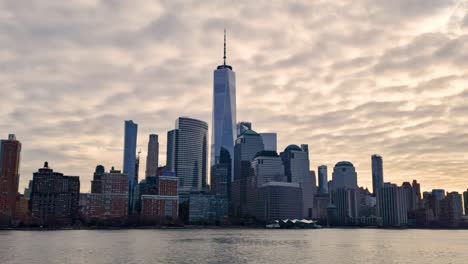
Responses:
[389,95]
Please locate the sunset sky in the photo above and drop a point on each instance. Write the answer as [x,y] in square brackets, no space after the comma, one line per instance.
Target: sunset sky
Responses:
[349,78]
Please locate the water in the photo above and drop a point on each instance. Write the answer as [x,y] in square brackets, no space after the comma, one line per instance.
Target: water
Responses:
[234,246]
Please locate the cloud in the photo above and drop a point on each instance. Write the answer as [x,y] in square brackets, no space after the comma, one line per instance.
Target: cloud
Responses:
[349,78]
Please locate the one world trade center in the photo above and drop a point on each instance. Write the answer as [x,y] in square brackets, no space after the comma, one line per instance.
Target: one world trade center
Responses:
[224,127]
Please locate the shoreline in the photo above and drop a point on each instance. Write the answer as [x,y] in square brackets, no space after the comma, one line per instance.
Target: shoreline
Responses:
[196,227]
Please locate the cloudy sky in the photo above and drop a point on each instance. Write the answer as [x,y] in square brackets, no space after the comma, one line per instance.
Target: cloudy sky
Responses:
[350,78]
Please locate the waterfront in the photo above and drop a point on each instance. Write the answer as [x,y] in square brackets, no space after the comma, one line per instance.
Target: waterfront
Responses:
[234,246]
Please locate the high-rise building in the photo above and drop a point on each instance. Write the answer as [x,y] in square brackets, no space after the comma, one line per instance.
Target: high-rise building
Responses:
[465,201]
[187,153]
[96,182]
[377,173]
[267,166]
[417,189]
[344,175]
[130,144]
[54,197]
[439,194]
[279,201]
[224,122]
[411,197]
[247,146]
[269,141]
[392,205]
[130,161]
[242,127]
[296,169]
[10,150]
[152,157]
[345,202]
[451,209]
[171,150]
[322,179]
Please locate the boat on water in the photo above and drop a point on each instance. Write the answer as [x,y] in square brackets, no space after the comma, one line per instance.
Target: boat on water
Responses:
[293,224]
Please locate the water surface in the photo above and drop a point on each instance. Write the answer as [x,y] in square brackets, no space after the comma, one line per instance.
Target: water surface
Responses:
[234,246]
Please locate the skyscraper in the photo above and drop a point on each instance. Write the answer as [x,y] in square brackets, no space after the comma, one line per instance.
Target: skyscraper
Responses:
[224,121]
[344,175]
[465,201]
[9,177]
[242,127]
[267,166]
[296,169]
[322,179]
[171,150]
[129,163]
[152,156]
[269,141]
[247,146]
[187,153]
[377,173]
[130,142]
[392,205]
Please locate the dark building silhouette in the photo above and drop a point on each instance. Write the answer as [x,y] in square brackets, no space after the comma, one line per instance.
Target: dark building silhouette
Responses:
[247,145]
[152,158]
[322,179]
[10,150]
[96,183]
[465,201]
[54,197]
[377,173]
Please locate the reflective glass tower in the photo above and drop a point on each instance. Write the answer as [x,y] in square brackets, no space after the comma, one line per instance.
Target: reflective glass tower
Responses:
[129,162]
[224,121]
[377,173]
[187,153]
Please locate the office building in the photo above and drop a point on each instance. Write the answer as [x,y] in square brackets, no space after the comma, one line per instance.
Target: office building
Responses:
[392,205]
[451,209]
[152,157]
[242,127]
[207,208]
[344,175]
[267,166]
[465,201]
[130,143]
[346,206]
[411,197]
[377,173]
[10,150]
[269,141]
[296,169]
[187,153]
[439,194]
[224,126]
[247,146]
[322,179]
[279,201]
[54,197]
[130,161]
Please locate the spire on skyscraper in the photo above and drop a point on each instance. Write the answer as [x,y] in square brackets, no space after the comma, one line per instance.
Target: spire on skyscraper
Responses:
[224,47]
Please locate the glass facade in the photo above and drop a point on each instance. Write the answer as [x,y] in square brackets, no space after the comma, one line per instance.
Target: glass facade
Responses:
[187,145]
[224,116]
